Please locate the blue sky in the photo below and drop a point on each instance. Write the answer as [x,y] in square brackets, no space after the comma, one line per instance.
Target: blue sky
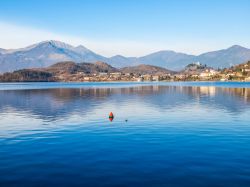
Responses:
[127,27]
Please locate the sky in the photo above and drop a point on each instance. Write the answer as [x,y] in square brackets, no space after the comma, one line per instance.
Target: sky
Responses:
[127,27]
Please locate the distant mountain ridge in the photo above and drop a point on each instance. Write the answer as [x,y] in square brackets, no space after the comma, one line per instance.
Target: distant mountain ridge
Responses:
[63,69]
[50,52]
[146,69]
[69,69]
[87,68]
[99,71]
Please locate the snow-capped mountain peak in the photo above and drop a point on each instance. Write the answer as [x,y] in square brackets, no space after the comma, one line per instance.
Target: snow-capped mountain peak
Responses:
[49,52]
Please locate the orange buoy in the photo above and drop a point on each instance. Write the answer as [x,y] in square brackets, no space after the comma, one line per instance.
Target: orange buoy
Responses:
[111,116]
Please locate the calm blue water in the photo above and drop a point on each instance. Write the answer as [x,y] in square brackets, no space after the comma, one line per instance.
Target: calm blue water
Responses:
[177,134]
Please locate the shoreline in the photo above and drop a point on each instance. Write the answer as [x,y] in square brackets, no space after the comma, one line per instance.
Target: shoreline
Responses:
[117,81]
[115,84]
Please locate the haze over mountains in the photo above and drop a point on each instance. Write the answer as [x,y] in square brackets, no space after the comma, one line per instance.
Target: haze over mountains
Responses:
[47,53]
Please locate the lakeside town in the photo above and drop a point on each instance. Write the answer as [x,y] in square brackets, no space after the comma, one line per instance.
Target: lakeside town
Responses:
[241,73]
[100,72]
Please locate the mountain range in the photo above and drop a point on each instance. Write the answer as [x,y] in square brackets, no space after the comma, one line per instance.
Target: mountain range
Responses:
[71,71]
[145,69]
[47,53]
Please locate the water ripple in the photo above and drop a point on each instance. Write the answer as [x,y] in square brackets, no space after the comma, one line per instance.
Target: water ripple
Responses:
[162,135]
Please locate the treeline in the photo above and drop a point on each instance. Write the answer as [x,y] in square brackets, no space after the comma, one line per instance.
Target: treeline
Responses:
[27,76]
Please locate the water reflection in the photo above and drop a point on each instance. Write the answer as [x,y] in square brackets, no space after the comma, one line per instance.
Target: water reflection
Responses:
[174,136]
[54,103]
[22,111]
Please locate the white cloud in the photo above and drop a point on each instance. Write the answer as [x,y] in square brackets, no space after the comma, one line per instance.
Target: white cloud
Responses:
[14,36]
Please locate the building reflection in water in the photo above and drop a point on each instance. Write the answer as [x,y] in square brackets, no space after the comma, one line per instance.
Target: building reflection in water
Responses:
[57,102]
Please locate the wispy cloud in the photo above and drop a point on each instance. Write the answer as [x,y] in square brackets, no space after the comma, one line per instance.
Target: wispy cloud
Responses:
[16,36]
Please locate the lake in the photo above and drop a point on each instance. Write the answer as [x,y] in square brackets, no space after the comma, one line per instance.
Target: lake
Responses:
[163,134]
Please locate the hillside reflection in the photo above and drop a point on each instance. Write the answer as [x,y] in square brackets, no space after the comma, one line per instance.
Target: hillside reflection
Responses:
[55,103]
